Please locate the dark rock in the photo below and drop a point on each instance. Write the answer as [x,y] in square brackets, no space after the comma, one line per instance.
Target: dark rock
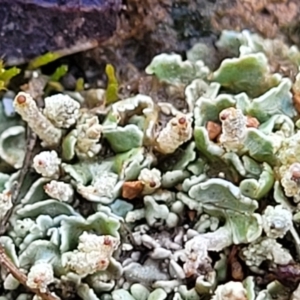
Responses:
[29,28]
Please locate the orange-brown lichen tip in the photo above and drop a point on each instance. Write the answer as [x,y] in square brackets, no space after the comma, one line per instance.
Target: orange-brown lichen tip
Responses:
[21,99]
[152,184]
[182,120]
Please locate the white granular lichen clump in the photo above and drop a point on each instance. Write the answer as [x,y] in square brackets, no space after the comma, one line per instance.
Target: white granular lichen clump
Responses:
[90,242]
[230,291]
[59,190]
[62,110]
[178,131]
[93,254]
[47,163]
[88,135]
[289,157]
[277,221]
[196,249]
[151,180]
[46,131]
[102,187]
[291,181]
[277,139]
[85,263]
[5,203]
[265,249]
[234,127]
[290,150]
[40,276]
[196,256]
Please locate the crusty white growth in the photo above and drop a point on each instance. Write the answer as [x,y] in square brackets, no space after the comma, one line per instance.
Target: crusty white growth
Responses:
[291,180]
[233,128]
[277,221]
[265,249]
[86,263]
[90,242]
[178,131]
[46,131]
[290,150]
[61,110]
[197,256]
[93,254]
[230,291]
[5,203]
[88,135]
[277,139]
[151,180]
[101,189]
[196,249]
[59,190]
[47,163]
[40,276]
[289,157]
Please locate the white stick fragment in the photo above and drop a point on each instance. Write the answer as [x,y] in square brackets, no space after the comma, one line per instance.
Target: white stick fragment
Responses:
[26,107]
[178,131]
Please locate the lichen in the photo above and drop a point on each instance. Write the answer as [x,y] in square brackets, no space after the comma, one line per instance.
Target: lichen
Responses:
[40,276]
[144,198]
[93,254]
[61,110]
[27,108]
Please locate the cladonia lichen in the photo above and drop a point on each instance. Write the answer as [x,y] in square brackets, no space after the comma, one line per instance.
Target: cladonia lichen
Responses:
[178,187]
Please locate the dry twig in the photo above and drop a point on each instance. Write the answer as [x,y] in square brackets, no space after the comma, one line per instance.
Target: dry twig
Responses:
[21,277]
[31,142]
[4,259]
